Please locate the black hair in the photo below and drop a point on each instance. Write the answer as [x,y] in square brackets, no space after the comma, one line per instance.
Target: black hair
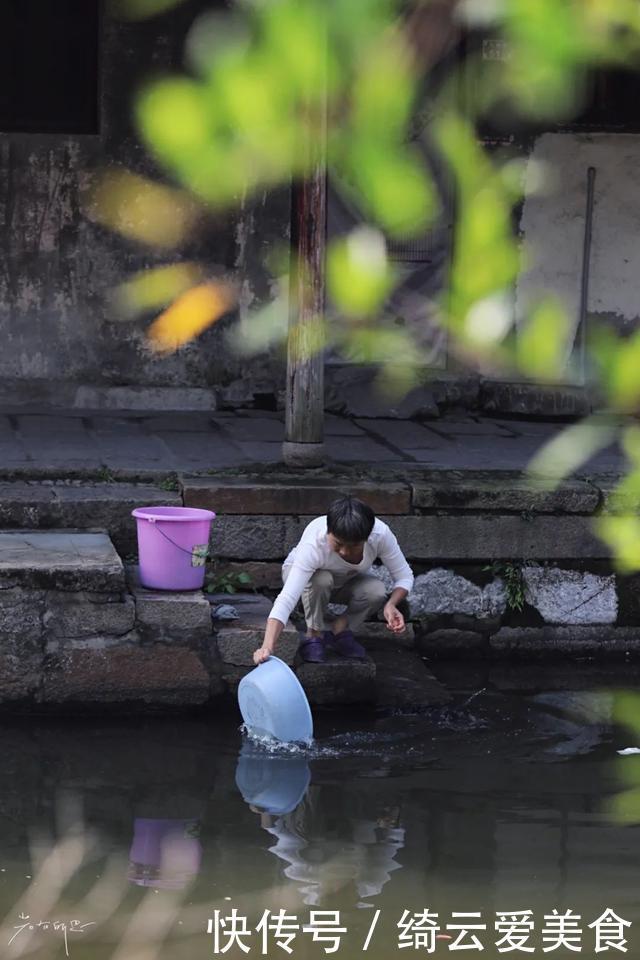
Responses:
[350,520]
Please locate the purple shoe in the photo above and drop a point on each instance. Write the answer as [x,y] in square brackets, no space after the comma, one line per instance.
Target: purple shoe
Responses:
[346,645]
[312,650]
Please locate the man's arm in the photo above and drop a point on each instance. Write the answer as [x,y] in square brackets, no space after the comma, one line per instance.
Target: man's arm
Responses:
[396,563]
[299,576]
[271,636]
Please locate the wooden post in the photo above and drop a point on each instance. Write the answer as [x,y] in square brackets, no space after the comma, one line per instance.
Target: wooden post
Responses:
[304,405]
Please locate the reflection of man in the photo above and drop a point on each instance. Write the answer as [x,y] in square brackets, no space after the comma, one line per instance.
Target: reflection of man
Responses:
[324,865]
[379,841]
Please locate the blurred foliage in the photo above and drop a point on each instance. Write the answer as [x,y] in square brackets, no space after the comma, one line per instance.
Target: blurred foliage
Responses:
[271,89]
[156,287]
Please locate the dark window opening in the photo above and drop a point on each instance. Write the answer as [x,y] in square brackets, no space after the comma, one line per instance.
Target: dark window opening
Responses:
[605,99]
[610,101]
[49,66]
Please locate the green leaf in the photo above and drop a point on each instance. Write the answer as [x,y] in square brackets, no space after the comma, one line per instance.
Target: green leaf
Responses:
[570,449]
[359,277]
[543,341]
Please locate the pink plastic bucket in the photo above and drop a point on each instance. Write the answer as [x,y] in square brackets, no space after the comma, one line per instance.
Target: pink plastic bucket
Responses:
[172,546]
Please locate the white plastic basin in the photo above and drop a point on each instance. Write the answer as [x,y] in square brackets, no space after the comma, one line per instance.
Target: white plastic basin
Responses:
[273,703]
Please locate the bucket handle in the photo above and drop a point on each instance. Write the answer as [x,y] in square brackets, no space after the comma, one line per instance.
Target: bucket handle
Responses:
[189,553]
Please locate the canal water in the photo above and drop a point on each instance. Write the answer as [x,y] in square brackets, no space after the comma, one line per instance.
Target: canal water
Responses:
[492,823]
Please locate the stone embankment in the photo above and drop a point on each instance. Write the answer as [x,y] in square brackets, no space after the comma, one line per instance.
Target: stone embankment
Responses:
[504,570]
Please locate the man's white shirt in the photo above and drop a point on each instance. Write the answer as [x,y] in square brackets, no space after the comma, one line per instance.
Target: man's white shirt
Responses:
[313,552]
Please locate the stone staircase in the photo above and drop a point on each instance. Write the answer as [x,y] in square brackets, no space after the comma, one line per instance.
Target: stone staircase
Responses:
[74,632]
[78,631]
[129,646]
[81,505]
[66,638]
[336,681]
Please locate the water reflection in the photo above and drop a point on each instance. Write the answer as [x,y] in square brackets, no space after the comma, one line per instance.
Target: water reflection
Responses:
[495,802]
[165,854]
[271,783]
[323,854]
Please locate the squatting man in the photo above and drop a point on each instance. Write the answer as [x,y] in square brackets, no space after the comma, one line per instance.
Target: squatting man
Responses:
[329,565]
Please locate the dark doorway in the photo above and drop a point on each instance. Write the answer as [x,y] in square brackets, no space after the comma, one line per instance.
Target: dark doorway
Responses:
[49,66]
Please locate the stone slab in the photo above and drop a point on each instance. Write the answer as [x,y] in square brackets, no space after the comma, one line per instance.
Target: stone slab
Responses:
[21,612]
[289,496]
[359,450]
[449,643]
[169,617]
[402,433]
[559,641]
[145,398]
[443,592]
[21,643]
[109,505]
[378,631]
[20,676]
[238,639]
[65,560]
[498,538]
[76,615]
[533,400]
[232,675]
[571,596]
[403,681]
[338,681]
[250,538]
[429,538]
[156,675]
[503,493]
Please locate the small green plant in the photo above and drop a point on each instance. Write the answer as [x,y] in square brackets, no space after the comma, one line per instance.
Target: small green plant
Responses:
[514,584]
[105,475]
[170,482]
[230,582]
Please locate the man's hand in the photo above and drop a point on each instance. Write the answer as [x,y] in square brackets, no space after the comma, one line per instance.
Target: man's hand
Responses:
[395,620]
[261,654]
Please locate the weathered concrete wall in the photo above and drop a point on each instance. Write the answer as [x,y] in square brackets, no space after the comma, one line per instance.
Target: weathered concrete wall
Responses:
[62,342]
[553,225]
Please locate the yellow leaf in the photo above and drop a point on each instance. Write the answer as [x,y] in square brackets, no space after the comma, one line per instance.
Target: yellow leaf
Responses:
[145,211]
[190,315]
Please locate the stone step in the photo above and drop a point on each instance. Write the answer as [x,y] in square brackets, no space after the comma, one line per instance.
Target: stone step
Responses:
[403,681]
[338,681]
[284,496]
[51,505]
[60,560]
[238,639]
[447,538]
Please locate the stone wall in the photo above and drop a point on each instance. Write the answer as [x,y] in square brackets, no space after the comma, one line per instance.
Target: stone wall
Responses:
[63,340]
[503,568]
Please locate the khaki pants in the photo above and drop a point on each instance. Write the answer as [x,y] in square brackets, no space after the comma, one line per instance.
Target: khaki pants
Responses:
[363,595]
